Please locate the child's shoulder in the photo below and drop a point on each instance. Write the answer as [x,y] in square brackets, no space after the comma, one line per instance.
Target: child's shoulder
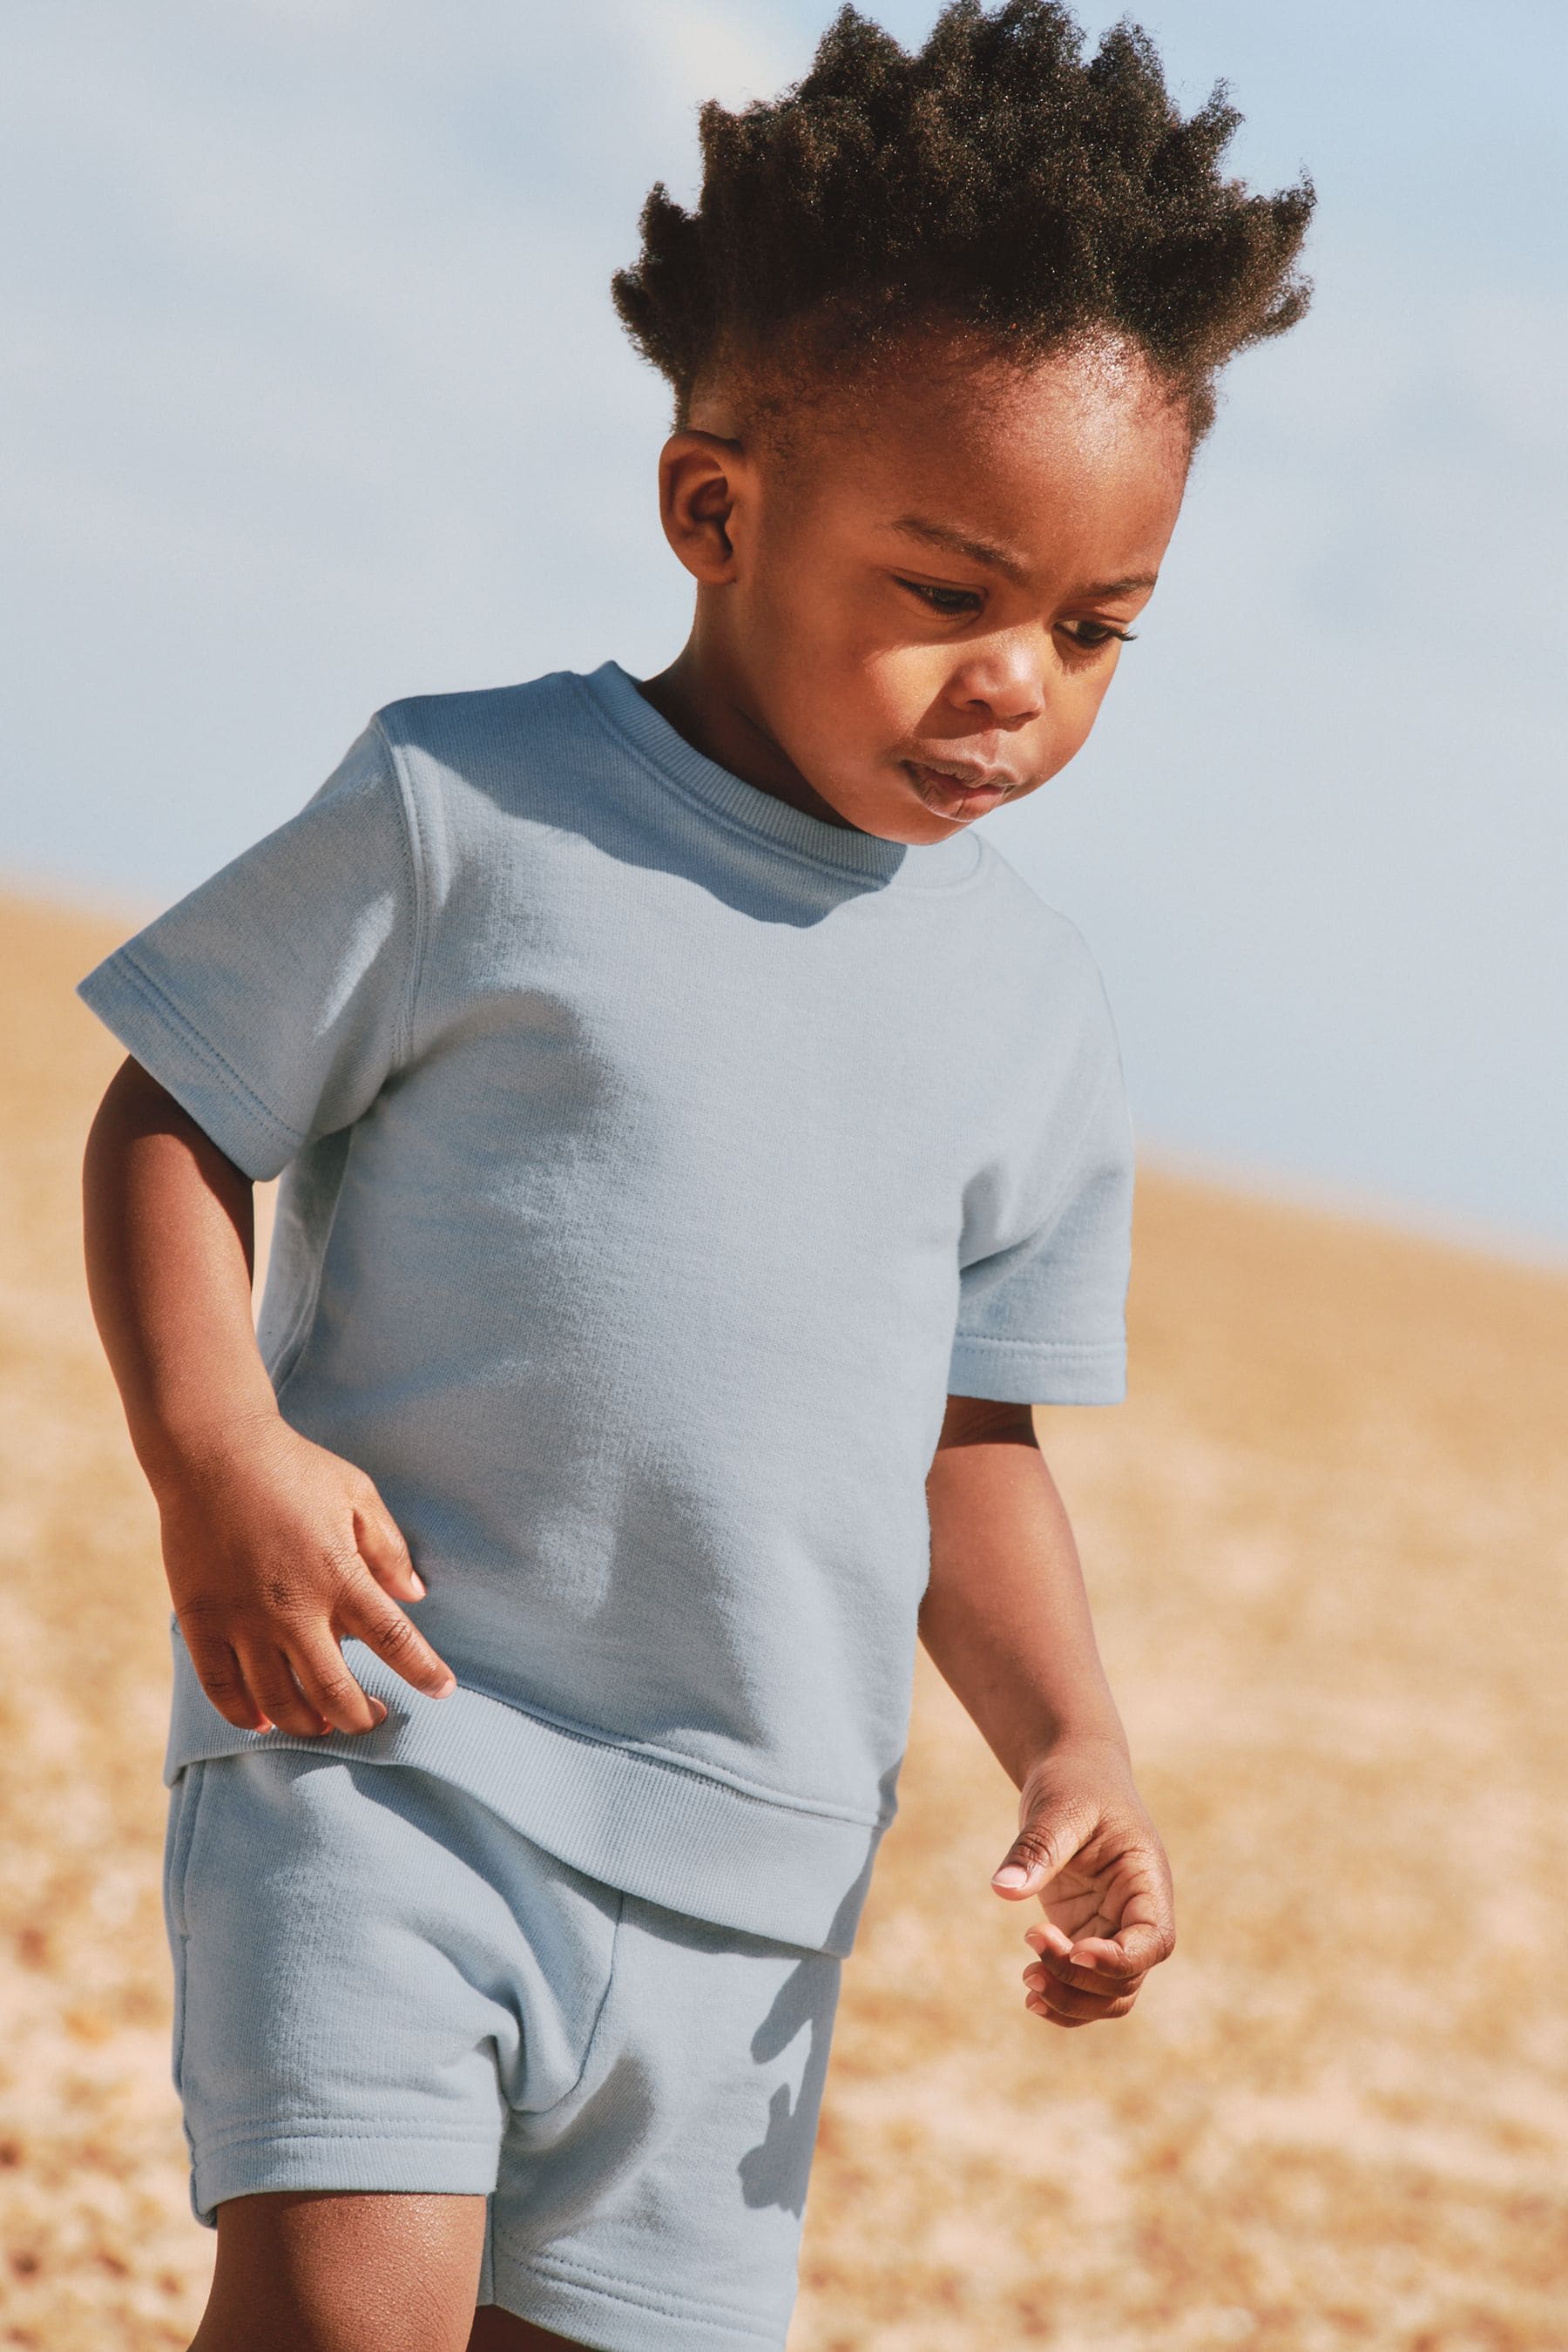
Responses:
[476,719]
[1051,941]
[468,763]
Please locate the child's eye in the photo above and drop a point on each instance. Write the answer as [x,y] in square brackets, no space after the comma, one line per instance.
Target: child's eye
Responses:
[951,603]
[1092,634]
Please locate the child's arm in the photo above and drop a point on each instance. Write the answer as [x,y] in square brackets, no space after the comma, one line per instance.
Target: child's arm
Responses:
[275,1547]
[1007,1620]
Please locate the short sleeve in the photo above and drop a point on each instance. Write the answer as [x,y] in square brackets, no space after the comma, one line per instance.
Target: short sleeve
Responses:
[1042,1315]
[276,999]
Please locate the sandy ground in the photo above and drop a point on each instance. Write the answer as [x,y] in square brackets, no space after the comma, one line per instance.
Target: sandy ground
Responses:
[1327,1540]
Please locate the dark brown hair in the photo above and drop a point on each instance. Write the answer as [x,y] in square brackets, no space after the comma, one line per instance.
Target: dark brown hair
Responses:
[997,181]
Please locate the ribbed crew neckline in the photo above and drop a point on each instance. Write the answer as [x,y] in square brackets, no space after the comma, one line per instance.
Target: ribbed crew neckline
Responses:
[843,847]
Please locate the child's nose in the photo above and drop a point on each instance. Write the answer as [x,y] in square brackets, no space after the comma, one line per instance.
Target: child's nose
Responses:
[1006,682]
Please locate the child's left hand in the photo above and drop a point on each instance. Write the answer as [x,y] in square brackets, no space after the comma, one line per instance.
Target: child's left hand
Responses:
[1089,1852]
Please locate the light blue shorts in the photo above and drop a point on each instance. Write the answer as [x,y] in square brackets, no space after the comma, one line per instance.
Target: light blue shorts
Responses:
[380,1985]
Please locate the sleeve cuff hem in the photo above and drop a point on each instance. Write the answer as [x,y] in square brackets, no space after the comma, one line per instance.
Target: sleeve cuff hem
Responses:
[1025,1372]
[159,1035]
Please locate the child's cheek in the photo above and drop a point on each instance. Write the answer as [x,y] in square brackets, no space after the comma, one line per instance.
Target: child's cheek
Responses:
[906,689]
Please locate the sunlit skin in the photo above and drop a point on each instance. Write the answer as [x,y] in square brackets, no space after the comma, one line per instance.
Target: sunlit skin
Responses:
[910,613]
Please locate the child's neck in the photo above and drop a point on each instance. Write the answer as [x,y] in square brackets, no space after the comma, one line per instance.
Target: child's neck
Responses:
[705,698]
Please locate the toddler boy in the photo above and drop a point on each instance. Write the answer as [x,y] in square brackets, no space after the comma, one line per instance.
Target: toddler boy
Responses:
[700,1151]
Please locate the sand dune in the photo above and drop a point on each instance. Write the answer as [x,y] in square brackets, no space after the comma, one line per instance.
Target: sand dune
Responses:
[1326,1537]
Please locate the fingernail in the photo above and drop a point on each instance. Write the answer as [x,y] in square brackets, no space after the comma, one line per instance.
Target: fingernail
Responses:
[417,1581]
[1011,1874]
[378,1710]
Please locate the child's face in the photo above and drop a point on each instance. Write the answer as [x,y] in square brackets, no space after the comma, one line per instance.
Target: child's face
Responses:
[912,614]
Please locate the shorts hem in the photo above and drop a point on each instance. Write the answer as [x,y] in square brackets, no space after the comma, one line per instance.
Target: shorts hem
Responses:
[620,2315]
[376,2159]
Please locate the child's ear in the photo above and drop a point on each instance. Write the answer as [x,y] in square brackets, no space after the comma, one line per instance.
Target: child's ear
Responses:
[699,478]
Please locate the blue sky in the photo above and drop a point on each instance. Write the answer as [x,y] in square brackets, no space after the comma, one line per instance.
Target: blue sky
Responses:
[311,396]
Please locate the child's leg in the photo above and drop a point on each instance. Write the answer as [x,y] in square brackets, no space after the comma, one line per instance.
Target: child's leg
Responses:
[363,1998]
[327,2273]
[497,2331]
[445,2094]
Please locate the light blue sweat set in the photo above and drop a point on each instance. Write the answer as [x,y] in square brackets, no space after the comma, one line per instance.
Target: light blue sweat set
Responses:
[656,1158]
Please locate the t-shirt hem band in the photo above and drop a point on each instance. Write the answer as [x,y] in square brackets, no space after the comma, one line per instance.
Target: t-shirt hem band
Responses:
[676,1839]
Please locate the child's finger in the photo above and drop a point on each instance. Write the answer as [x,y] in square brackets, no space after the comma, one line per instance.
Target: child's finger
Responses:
[1132,1951]
[383,1548]
[222,1677]
[1064,2002]
[326,1681]
[1063,1969]
[1074,2000]
[278,1693]
[381,1625]
[1045,1936]
[1036,2008]
[1095,1960]
[1135,1948]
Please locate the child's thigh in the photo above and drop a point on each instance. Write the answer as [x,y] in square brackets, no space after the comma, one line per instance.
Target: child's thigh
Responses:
[324,2273]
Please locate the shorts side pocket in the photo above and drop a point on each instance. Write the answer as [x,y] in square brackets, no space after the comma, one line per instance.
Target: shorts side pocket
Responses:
[183,1805]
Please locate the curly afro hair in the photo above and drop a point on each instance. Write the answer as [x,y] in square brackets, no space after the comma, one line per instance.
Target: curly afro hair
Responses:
[998,180]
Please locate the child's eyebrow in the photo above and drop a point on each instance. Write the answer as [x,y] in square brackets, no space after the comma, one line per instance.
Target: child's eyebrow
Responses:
[958,543]
[1012,567]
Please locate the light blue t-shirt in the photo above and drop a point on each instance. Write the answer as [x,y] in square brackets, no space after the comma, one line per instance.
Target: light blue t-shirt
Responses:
[656,1160]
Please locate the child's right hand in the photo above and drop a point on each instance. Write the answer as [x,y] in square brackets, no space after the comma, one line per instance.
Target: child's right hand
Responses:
[275,1550]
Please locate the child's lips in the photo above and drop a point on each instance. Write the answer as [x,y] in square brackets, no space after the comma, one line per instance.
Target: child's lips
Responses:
[950,794]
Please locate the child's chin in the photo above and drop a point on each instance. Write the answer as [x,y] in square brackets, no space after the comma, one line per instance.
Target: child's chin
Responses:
[909,822]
